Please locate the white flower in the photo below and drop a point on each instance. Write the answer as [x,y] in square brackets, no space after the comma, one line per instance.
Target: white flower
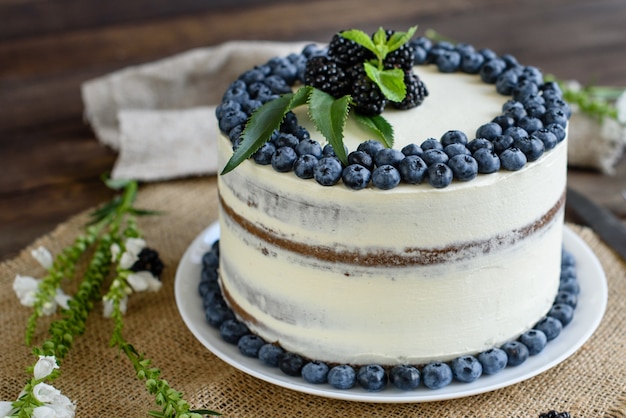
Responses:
[6,408]
[127,260]
[61,299]
[45,393]
[620,106]
[135,245]
[44,411]
[44,257]
[25,288]
[44,366]
[143,280]
[115,251]
[107,305]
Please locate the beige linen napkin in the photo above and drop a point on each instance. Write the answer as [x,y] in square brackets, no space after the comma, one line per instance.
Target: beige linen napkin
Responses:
[160,115]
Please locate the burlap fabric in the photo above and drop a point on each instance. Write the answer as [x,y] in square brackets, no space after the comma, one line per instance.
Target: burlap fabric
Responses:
[591,383]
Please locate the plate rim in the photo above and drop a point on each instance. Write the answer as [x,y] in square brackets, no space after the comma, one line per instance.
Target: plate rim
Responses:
[589,312]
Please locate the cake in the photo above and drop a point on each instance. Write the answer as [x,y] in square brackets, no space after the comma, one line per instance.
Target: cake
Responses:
[417,272]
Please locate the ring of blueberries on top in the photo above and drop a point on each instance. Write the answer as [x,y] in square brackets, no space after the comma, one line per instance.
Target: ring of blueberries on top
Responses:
[532,121]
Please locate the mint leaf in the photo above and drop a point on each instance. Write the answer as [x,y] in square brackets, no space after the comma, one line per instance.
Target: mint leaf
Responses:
[390,82]
[262,124]
[379,126]
[400,38]
[329,116]
[360,38]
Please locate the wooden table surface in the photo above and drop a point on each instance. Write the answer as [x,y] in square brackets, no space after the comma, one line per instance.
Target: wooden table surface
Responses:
[51,162]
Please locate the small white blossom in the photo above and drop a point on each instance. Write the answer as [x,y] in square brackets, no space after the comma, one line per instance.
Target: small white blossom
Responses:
[44,411]
[107,305]
[115,251]
[135,245]
[44,366]
[45,393]
[61,299]
[44,257]
[25,287]
[6,408]
[143,280]
[127,260]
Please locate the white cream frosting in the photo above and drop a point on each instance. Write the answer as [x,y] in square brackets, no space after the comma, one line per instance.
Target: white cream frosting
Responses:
[351,313]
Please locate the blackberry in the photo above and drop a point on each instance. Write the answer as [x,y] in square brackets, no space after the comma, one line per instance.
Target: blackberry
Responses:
[368,99]
[148,260]
[416,92]
[555,414]
[347,52]
[400,58]
[325,74]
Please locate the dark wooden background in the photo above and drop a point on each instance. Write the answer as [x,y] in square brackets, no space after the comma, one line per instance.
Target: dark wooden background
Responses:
[51,162]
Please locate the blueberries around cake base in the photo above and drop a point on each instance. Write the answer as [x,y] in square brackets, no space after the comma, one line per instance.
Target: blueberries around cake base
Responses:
[374,377]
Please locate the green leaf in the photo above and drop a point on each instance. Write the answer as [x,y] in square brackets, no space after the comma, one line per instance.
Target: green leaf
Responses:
[262,124]
[390,82]
[329,116]
[379,126]
[380,37]
[360,38]
[117,184]
[398,39]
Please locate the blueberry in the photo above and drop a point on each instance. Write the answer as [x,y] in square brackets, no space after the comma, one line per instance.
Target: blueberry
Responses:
[315,372]
[515,113]
[510,104]
[516,132]
[283,159]
[550,326]
[489,131]
[361,158]
[557,130]
[237,92]
[556,103]
[448,61]
[250,106]
[456,149]
[491,69]
[263,155]
[477,143]
[530,124]
[453,137]
[466,369]
[464,167]
[404,377]
[284,139]
[516,353]
[488,54]
[372,377]
[271,354]
[252,76]
[289,123]
[431,143]
[250,344]
[419,55]
[487,160]
[328,171]
[548,138]
[532,147]
[566,298]
[535,340]
[259,91]
[309,146]
[512,159]
[370,146]
[412,149]
[283,68]
[216,314]
[506,82]
[533,74]
[356,177]
[304,166]
[471,61]
[232,330]
[524,89]
[231,119]
[556,116]
[493,360]
[388,156]
[386,177]
[342,377]
[501,143]
[412,169]
[439,175]
[208,275]
[436,375]
[567,258]
[235,133]
[210,260]
[301,133]
[569,285]
[291,364]
[567,272]
[277,84]
[433,156]
[564,312]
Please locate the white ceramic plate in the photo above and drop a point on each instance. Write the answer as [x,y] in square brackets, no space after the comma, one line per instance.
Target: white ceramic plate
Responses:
[589,311]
